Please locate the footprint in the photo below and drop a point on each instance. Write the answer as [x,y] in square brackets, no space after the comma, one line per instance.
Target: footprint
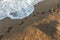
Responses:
[1,36]
[9,29]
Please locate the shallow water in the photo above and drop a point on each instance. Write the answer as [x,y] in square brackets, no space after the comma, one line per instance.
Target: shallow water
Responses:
[17,9]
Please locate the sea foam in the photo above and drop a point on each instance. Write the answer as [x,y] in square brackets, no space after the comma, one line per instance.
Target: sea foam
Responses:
[17,9]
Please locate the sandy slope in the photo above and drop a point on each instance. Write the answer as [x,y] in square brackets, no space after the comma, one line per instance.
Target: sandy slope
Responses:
[43,24]
[45,29]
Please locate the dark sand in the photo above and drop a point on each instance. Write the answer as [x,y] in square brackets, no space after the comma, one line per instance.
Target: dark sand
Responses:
[9,28]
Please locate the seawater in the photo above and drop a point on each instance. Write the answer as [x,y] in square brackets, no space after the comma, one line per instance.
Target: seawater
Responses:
[17,9]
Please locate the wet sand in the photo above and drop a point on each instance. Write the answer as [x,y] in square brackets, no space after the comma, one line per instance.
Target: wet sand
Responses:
[9,27]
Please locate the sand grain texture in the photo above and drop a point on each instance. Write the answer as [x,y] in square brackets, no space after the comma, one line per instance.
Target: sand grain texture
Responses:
[43,24]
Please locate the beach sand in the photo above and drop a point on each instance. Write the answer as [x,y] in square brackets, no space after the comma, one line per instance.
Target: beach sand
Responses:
[42,24]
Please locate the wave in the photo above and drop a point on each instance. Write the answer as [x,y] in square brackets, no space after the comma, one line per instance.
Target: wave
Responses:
[17,9]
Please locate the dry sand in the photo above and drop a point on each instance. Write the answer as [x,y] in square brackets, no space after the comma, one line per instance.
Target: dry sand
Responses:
[43,24]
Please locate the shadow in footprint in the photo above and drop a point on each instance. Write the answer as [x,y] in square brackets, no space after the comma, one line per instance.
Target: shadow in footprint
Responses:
[1,36]
[49,29]
[9,29]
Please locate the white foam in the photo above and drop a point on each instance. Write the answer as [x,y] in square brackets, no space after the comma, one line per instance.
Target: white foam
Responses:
[17,9]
